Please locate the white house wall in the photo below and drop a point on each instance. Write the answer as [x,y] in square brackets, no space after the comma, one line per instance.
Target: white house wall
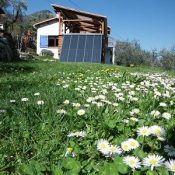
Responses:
[50,28]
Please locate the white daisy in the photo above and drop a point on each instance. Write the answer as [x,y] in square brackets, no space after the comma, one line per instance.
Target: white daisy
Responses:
[114,150]
[170,165]
[36,94]
[12,101]
[166,115]
[157,131]
[153,161]
[40,102]
[66,102]
[155,113]
[144,131]
[133,143]
[24,99]
[81,112]
[61,111]
[170,150]
[126,146]
[103,146]
[132,162]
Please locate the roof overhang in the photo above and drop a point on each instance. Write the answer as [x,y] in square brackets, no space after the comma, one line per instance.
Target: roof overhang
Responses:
[36,25]
[81,18]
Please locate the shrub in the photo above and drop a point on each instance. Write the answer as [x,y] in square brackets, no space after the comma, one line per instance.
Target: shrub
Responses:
[46,52]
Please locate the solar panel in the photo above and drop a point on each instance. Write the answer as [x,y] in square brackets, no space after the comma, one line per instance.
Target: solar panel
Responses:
[81,48]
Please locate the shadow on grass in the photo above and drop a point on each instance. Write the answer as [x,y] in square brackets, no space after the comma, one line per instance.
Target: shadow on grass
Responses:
[18,67]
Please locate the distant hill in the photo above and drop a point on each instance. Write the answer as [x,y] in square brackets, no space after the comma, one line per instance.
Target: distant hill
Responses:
[33,18]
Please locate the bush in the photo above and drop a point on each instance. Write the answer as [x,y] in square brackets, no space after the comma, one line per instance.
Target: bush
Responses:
[46,52]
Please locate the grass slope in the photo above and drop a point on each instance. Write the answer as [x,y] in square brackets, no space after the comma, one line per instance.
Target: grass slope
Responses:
[40,106]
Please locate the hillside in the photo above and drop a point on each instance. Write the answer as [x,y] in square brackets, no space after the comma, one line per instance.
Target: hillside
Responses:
[33,18]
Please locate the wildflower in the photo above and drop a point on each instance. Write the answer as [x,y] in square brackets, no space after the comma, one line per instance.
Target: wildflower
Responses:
[143,131]
[66,102]
[61,111]
[103,146]
[24,99]
[163,104]
[134,119]
[12,101]
[170,165]
[170,150]
[132,162]
[157,131]
[134,111]
[36,94]
[166,115]
[81,112]
[40,102]
[133,143]
[76,105]
[126,146]
[153,161]
[155,113]
[115,104]
[77,134]
[114,150]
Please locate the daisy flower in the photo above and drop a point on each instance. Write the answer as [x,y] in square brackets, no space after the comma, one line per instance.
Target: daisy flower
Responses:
[36,94]
[103,146]
[61,111]
[170,165]
[126,146]
[144,131]
[155,113]
[81,112]
[24,99]
[40,102]
[114,150]
[157,131]
[170,150]
[66,102]
[132,162]
[153,161]
[133,143]
[166,115]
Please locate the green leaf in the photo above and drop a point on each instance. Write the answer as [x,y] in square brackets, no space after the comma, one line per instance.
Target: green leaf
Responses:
[150,172]
[57,172]
[120,165]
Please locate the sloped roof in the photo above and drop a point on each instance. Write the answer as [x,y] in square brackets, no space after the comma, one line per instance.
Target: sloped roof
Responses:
[45,21]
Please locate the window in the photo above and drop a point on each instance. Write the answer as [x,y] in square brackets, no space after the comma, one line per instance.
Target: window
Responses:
[52,41]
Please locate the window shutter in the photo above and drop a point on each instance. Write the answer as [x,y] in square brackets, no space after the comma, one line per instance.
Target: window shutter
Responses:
[43,41]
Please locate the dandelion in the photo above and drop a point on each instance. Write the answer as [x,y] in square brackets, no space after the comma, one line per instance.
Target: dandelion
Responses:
[144,131]
[40,102]
[153,161]
[170,165]
[103,146]
[170,150]
[166,115]
[81,112]
[24,99]
[132,161]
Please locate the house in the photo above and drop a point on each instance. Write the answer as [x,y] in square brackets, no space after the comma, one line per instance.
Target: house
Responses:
[75,36]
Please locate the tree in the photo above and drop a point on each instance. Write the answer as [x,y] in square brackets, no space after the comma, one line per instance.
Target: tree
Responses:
[127,53]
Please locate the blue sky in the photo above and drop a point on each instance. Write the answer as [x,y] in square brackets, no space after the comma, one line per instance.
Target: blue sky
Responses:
[151,22]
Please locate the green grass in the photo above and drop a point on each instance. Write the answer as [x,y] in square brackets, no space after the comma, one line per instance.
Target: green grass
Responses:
[34,138]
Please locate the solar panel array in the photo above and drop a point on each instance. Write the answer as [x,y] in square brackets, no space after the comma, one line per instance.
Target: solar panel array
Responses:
[81,48]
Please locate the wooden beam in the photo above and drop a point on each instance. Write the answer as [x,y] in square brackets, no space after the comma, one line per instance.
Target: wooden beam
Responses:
[60,23]
[82,20]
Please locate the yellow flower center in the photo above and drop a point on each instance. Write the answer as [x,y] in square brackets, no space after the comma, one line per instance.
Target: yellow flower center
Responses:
[133,144]
[157,131]
[144,131]
[69,150]
[153,161]
[173,167]
[103,146]
[125,147]
[132,162]
[112,149]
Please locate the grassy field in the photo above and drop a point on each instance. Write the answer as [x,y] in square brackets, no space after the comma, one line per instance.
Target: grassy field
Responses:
[67,118]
